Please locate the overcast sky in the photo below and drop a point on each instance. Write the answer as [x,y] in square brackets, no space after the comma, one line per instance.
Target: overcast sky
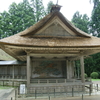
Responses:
[69,7]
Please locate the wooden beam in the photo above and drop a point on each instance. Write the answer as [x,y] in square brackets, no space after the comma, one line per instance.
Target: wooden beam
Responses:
[51,55]
[53,59]
[55,48]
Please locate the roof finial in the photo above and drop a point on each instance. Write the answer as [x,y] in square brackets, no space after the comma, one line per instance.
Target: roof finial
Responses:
[55,7]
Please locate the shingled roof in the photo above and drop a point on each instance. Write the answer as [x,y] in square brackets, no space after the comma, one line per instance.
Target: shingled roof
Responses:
[53,31]
[24,37]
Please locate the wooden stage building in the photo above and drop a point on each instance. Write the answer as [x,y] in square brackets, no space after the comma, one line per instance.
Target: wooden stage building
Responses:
[47,52]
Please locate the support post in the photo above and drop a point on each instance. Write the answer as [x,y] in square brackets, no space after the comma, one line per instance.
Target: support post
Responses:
[82,69]
[70,69]
[67,69]
[75,74]
[28,69]
[73,69]
[82,72]
[13,73]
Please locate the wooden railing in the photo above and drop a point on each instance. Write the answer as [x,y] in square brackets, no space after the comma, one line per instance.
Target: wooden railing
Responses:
[37,81]
[12,82]
[11,77]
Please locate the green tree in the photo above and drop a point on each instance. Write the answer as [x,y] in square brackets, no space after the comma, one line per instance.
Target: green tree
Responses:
[94,65]
[95,2]
[81,21]
[95,19]
[4,24]
[21,16]
[38,8]
[49,5]
[90,64]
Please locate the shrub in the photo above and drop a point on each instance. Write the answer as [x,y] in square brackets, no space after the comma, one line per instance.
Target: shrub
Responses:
[85,75]
[94,75]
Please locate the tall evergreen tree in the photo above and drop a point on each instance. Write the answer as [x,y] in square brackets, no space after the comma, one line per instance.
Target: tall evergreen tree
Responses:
[81,21]
[21,16]
[38,9]
[95,2]
[95,19]
[4,24]
[49,5]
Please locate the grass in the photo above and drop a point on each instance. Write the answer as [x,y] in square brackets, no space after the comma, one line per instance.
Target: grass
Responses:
[95,79]
[7,87]
[4,87]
